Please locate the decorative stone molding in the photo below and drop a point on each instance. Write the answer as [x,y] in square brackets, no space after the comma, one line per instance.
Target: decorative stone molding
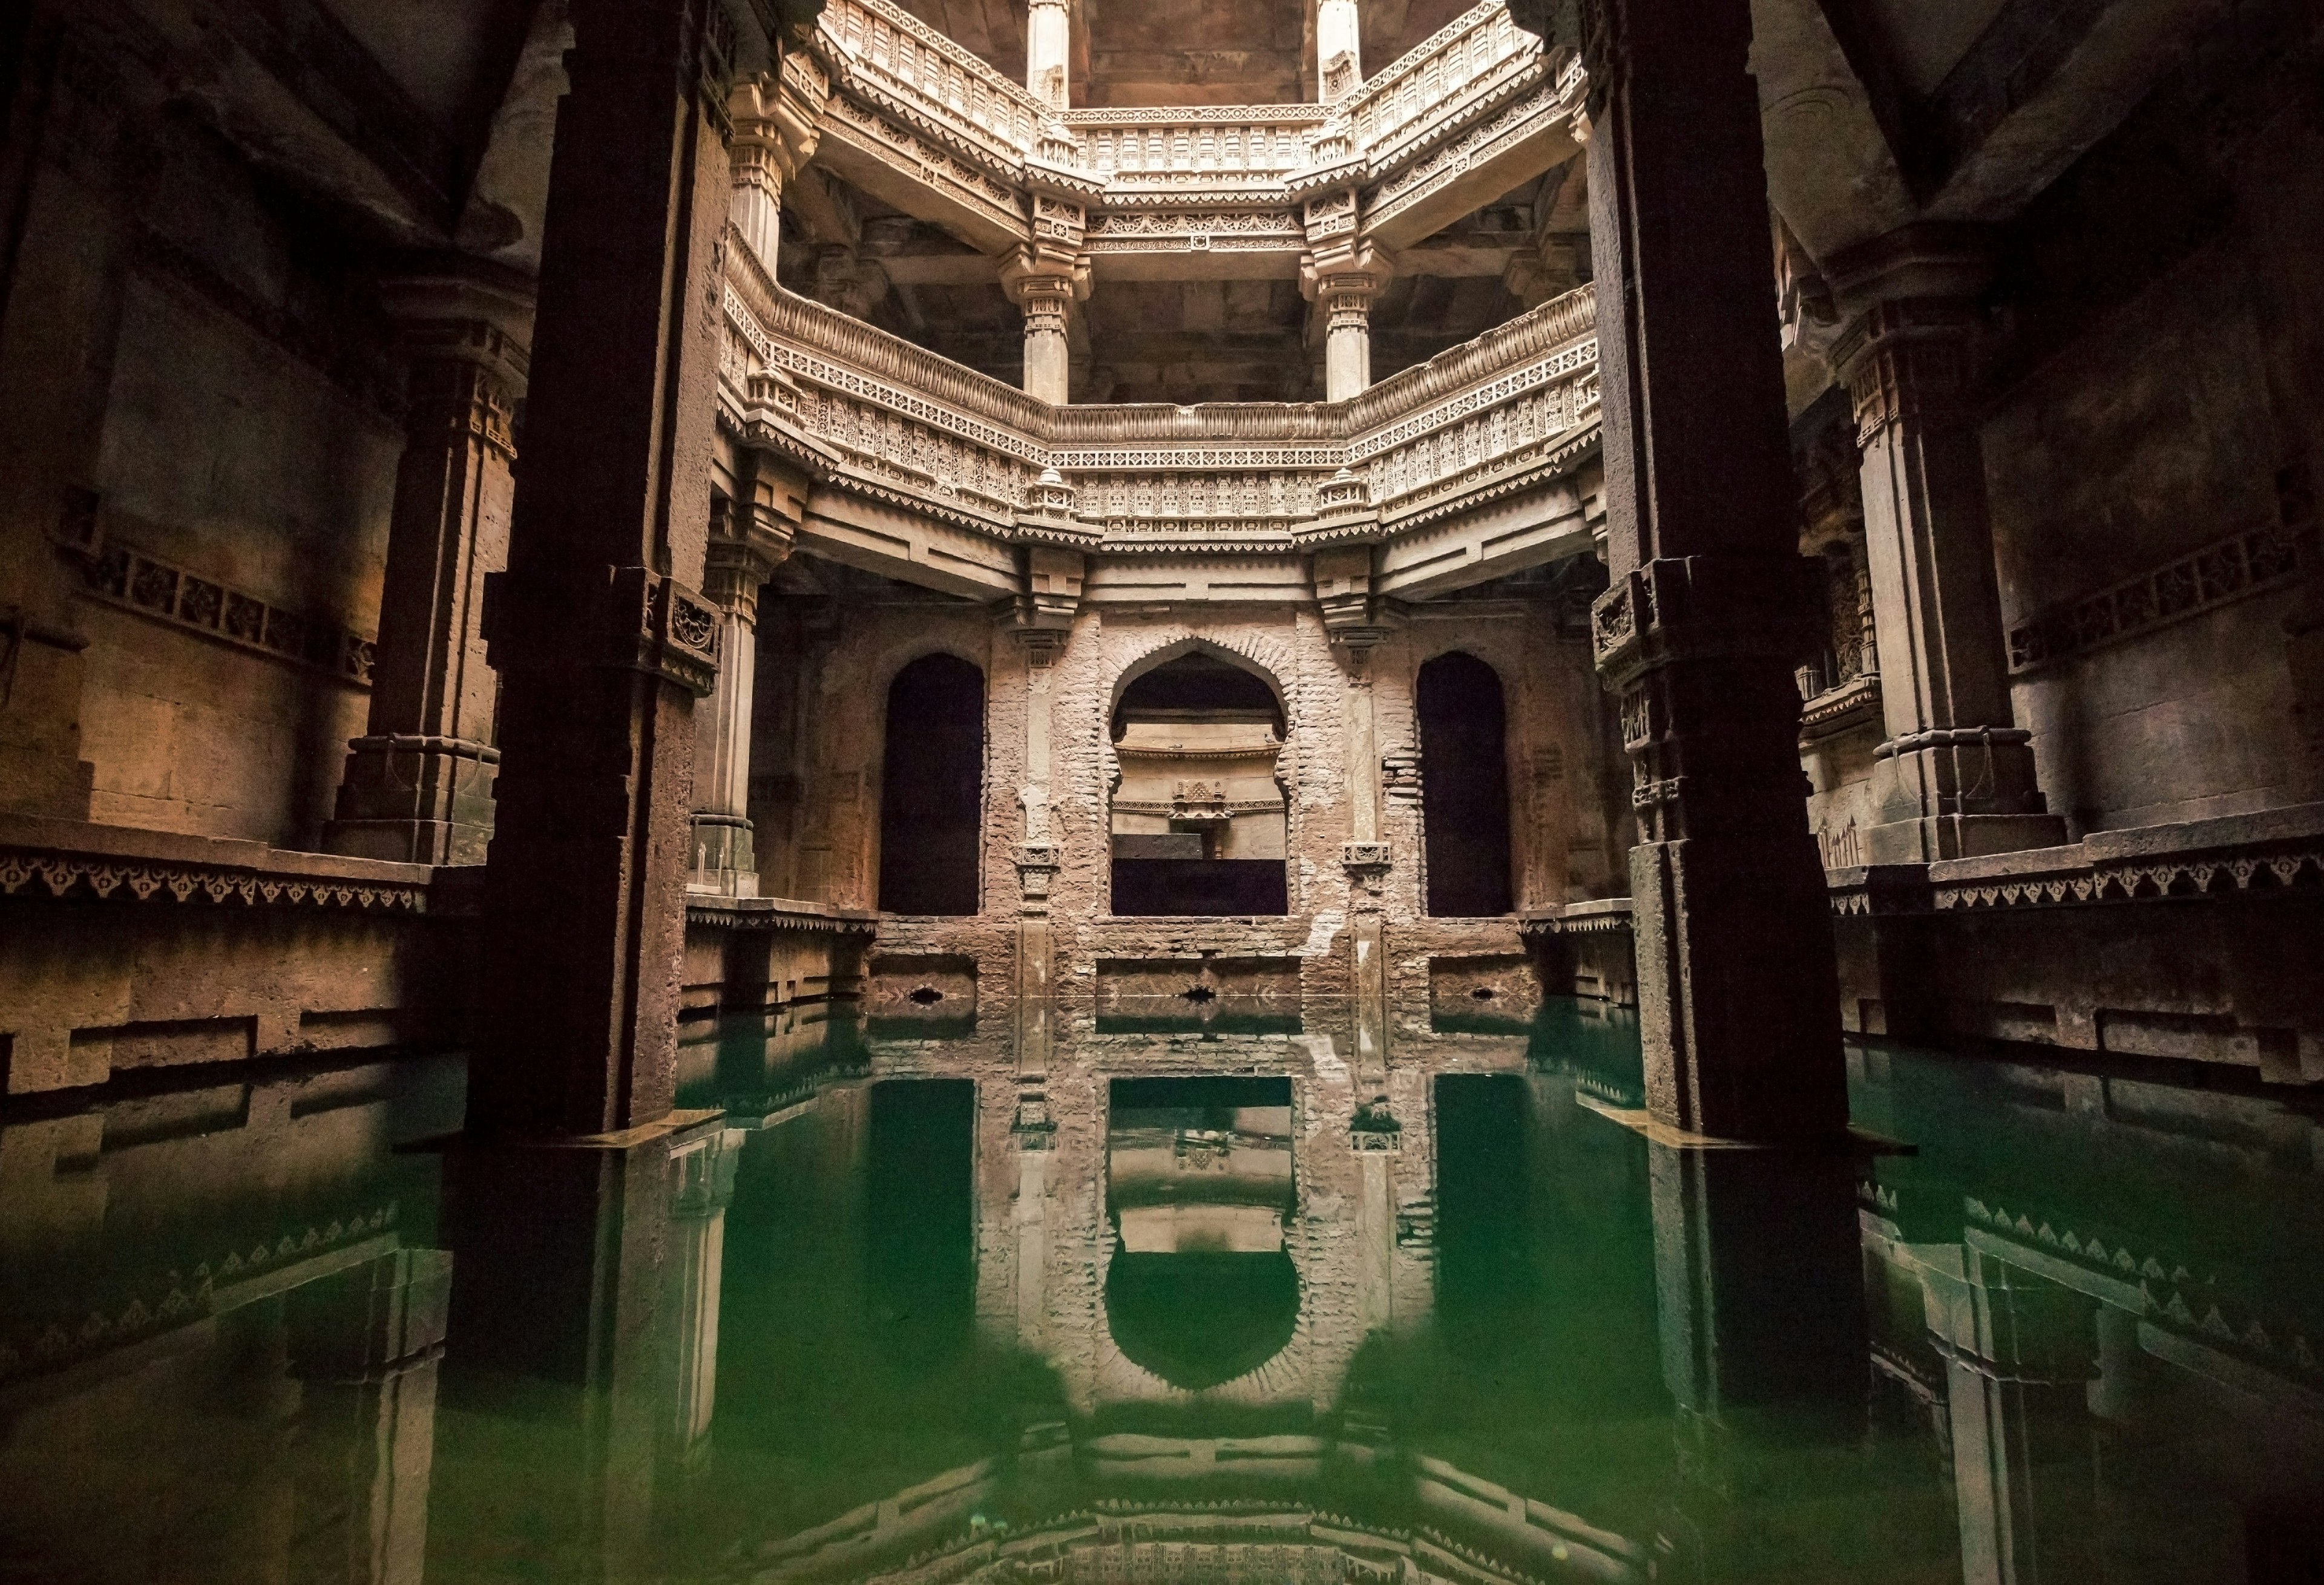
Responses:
[2238,856]
[776,913]
[65,859]
[134,580]
[2219,574]
[1605,917]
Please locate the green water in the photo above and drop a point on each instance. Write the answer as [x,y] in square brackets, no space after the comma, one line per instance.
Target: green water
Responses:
[878,1323]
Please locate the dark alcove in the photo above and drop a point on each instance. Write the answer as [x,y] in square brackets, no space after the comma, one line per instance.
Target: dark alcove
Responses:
[1465,787]
[931,788]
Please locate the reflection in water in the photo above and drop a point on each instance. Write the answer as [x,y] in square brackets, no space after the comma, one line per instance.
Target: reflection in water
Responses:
[864,1326]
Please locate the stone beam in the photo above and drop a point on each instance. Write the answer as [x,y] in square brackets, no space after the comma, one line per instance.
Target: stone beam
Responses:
[1532,530]
[873,537]
[1276,580]
[1830,171]
[2042,84]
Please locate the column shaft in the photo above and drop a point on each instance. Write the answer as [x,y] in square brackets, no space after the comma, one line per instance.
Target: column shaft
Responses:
[1956,777]
[749,540]
[1339,48]
[418,786]
[602,648]
[1737,989]
[1048,47]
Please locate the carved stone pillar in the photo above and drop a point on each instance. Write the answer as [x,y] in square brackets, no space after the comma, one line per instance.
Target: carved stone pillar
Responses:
[776,120]
[848,281]
[1737,987]
[749,538]
[1048,48]
[1339,49]
[1046,288]
[1044,623]
[418,786]
[2019,1354]
[1345,594]
[1956,777]
[601,644]
[1343,286]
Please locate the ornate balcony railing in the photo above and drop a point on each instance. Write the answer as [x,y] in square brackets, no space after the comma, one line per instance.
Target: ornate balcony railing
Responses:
[942,87]
[1225,146]
[1463,63]
[896,422]
[907,97]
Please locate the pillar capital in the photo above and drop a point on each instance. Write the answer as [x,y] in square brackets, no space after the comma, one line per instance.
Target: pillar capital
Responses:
[777,121]
[1051,597]
[1045,281]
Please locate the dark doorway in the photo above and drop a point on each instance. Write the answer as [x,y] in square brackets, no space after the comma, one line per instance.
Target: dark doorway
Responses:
[1465,787]
[1199,823]
[932,788]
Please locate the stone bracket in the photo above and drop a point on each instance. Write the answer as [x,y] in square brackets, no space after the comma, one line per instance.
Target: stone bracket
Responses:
[637,620]
[1702,608]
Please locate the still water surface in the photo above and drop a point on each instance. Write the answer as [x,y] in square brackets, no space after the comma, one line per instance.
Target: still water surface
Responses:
[875,1322]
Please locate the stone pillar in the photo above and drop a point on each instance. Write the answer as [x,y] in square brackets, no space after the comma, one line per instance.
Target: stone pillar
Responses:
[1343,580]
[1044,623]
[1955,778]
[1046,288]
[601,644]
[749,538]
[777,126]
[1711,603]
[367,1345]
[1339,49]
[418,786]
[1048,48]
[2018,1354]
[1343,286]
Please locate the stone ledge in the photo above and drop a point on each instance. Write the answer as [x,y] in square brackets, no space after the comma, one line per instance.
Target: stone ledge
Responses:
[779,913]
[2270,850]
[1600,915]
[74,857]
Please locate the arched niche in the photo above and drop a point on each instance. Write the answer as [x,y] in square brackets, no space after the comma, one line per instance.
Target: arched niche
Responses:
[932,788]
[1199,822]
[1464,787]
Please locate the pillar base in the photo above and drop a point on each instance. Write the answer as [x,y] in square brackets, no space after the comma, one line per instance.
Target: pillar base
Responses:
[415,800]
[722,861]
[1956,793]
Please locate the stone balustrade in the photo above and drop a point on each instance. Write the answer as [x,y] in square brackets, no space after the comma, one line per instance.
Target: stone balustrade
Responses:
[926,125]
[944,87]
[899,424]
[1436,85]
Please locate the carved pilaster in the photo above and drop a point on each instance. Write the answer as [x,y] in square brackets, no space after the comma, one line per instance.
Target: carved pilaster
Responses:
[418,786]
[777,122]
[1342,282]
[1045,283]
[749,540]
[1955,777]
